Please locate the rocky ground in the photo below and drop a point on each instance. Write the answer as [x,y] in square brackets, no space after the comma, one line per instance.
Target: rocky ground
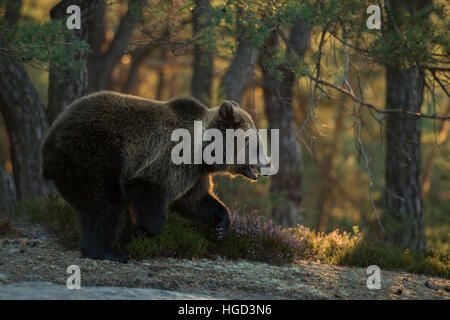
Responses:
[36,257]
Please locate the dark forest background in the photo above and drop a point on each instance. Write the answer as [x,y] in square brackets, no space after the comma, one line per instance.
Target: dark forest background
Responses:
[363,114]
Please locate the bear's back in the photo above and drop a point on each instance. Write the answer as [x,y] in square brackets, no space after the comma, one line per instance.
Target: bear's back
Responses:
[117,110]
[134,127]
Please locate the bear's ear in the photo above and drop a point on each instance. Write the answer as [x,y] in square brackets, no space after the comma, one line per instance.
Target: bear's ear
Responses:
[235,104]
[226,110]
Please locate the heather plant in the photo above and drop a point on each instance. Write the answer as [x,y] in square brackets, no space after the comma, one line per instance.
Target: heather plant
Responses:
[255,238]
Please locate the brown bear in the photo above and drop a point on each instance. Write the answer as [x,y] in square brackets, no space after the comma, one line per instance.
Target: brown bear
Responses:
[109,150]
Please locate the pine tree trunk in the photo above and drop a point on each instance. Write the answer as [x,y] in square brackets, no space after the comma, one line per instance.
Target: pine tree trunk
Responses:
[278,95]
[403,195]
[66,85]
[96,39]
[25,121]
[203,61]
[235,80]
[101,64]
[24,117]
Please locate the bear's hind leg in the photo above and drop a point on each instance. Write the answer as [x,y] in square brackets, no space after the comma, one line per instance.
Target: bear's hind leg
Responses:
[149,201]
[100,232]
[100,210]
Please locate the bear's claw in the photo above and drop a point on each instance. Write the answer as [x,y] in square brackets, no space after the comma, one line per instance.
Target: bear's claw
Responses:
[220,233]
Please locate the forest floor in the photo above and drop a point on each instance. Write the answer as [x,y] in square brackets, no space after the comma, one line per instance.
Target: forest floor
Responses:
[34,256]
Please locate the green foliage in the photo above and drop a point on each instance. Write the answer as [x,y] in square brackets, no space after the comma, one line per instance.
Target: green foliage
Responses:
[178,239]
[355,249]
[253,20]
[393,258]
[417,37]
[438,226]
[56,215]
[38,43]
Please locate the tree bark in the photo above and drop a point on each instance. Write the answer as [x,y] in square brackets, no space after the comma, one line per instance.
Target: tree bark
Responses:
[25,121]
[234,82]
[138,58]
[278,96]
[203,60]
[12,12]
[403,195]
[404,90]
[96,40]
[67,85]
[24,117]
[161,76]
[102,64]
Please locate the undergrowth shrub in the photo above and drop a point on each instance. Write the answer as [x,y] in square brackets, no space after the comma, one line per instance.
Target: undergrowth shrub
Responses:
[178,239]
[255,238]
[55,215]
[355,249]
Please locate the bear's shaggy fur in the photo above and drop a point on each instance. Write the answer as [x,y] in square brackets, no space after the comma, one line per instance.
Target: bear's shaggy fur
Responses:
[109,150]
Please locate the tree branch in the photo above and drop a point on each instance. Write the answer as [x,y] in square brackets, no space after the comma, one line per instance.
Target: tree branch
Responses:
[377,109]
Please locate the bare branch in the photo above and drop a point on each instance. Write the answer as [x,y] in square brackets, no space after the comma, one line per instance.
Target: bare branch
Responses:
[377,109]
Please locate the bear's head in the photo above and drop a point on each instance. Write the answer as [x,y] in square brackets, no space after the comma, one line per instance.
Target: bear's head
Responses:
[243,149]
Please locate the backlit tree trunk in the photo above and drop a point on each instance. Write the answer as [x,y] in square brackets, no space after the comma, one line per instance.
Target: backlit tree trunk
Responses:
[278,95]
